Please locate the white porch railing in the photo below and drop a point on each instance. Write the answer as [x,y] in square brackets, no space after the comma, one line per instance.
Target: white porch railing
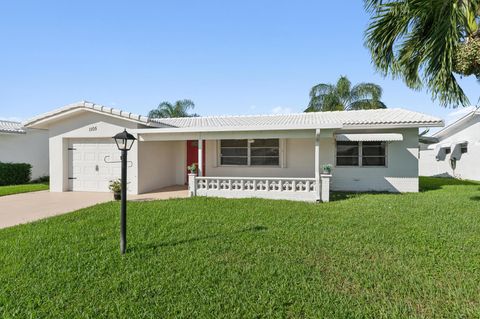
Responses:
[303,189]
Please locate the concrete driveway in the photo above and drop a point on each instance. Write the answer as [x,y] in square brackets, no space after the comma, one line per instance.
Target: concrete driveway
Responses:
[28,207]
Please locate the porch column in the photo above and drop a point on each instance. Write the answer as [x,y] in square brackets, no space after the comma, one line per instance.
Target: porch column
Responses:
[200,157]
[317,165]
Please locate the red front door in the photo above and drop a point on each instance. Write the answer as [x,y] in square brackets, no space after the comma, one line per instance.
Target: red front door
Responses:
[192,154]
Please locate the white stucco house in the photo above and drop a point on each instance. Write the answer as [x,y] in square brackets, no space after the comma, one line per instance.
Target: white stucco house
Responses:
[453,151]
[273,156]
[19,144]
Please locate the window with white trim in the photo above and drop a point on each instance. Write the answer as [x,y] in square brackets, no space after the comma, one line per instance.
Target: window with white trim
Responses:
[464,148]
[258,152]
[361,153]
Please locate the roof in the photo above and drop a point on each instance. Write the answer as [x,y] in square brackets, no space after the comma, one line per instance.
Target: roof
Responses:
[381,118]
[337,119]
[458,124]
[11,127]
[42,119]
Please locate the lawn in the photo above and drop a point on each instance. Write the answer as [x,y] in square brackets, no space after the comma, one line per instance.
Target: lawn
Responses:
[360,256]
[24,188]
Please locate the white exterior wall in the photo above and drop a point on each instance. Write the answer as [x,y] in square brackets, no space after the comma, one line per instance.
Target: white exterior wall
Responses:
[86,125]
[161,164]
[31,148]
[297,156]
[399,175]
[467,166]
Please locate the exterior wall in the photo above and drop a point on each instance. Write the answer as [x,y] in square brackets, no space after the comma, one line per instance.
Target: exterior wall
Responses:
[399,175]
[160,165]
[85,125]
[298,156]
[467,166]
[31,148]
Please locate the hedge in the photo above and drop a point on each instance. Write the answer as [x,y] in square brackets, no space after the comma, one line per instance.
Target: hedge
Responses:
[15,173]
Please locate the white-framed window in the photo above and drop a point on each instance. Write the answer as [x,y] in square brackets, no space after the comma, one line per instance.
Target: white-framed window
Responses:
[361,154]
[250,152]
[464,148]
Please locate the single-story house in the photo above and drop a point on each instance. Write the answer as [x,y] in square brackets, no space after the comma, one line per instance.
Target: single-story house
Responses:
[274,156]
[19,144]
[453,151]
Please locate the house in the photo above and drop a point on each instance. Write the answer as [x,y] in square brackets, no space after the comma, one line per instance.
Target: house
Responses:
[24,145]
[273,156]
[453,151]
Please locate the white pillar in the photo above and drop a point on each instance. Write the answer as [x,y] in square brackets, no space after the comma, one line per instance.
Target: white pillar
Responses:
[200,157]
[192,185]
[325,180]
[317,165]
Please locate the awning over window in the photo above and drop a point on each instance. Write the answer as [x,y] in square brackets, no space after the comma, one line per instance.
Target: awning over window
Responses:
[373,137]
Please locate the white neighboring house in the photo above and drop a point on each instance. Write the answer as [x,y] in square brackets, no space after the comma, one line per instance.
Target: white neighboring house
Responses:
[272,156]
[453,151]
[24,145]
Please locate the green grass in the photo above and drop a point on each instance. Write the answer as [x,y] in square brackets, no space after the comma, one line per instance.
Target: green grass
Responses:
[25,188]
[361,256]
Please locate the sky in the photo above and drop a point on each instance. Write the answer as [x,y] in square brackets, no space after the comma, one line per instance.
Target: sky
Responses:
[229,57]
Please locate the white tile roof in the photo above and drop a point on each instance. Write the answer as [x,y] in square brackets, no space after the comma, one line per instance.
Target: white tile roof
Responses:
[88,106]
[11,127]
[383,118]
[347,119]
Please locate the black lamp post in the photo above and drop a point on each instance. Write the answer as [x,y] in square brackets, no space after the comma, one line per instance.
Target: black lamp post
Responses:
[124,142]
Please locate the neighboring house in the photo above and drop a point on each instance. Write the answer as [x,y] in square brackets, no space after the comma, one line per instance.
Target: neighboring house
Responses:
[275,156]
[453,151]
[24,145]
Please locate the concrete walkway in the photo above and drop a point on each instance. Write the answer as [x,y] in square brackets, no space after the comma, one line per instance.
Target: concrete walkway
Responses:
[28,207]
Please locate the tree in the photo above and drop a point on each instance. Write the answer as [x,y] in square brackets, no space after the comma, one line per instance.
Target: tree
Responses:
[425,42]
[179,109]
[342,96]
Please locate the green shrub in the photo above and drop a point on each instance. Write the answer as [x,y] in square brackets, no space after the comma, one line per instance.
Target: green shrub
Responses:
[15,173]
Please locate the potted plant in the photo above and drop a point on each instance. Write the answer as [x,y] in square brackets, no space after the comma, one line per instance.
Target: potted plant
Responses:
[116,187]
[192,168]
[327,168]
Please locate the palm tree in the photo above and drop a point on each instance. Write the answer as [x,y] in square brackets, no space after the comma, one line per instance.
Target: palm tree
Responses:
[342,96]
[179,109]
[426,42]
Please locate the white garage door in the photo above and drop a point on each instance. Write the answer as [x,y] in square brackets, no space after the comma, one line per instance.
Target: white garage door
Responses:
[88,170]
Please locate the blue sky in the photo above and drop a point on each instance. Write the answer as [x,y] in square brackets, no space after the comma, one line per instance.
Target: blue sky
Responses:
[243,57]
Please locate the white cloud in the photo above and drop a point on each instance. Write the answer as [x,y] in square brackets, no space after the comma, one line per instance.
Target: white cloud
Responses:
[456,114]
[282,110]
[11,119]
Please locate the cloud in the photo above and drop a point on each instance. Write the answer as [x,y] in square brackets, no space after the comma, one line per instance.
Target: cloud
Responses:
[455,115]
[11,119]
[282,110]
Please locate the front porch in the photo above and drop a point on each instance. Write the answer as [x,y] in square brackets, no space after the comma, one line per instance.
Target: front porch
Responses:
[258,166]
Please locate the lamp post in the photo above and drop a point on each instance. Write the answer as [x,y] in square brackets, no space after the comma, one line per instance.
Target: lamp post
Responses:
[124,142]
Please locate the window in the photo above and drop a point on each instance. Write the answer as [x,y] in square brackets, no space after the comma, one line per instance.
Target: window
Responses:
[448,150]
[373,153]
[347,153]
[234,152]
[259,152]
[361,153]
[464,148]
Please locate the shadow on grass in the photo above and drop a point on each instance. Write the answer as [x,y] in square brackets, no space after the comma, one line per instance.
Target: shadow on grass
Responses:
[338,196]
[435,183]
[477,198]
[172,243]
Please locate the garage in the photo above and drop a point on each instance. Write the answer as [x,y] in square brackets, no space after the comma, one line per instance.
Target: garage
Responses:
[90,164]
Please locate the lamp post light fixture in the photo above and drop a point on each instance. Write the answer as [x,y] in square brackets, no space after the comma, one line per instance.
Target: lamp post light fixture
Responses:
[124,142]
